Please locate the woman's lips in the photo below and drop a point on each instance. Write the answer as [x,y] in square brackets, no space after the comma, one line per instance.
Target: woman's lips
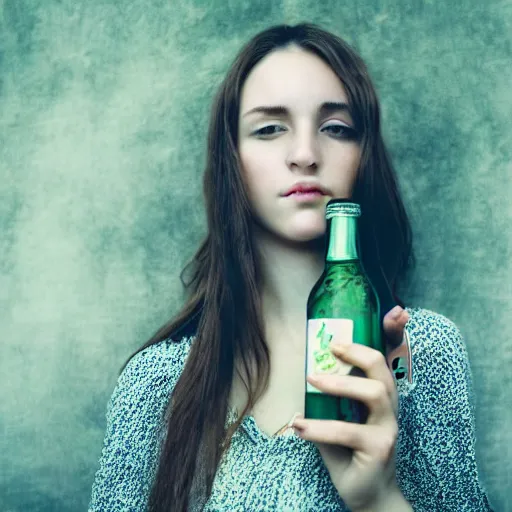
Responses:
[306,196]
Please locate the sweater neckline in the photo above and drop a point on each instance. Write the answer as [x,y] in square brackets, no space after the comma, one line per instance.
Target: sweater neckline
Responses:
[250,425]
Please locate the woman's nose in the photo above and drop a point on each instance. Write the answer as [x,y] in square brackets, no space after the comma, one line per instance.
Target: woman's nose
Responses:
[303,153]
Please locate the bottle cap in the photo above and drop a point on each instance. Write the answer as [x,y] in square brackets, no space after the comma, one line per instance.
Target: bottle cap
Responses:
[345,207]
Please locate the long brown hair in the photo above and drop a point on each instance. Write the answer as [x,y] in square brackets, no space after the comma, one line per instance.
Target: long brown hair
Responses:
[223,301]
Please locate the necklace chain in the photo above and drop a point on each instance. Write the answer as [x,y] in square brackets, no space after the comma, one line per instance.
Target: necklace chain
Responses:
[285,430]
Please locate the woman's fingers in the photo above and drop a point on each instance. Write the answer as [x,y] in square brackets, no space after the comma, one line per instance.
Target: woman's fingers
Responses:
[373,393]
[374,365]
[377,440]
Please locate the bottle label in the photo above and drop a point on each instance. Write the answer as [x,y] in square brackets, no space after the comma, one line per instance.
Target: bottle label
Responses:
[321,334]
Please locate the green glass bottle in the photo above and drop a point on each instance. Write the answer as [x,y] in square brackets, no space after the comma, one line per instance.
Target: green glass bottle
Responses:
[342,307]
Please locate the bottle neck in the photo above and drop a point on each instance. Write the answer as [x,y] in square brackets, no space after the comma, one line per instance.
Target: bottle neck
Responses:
[342,239]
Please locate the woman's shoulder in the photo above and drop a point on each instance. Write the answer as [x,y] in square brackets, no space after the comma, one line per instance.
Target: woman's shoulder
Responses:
[439,353]
[160,354]
[426,326]
[156,367]
[430,330]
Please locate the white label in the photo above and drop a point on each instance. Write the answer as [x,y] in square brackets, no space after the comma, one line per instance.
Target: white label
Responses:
[321,334]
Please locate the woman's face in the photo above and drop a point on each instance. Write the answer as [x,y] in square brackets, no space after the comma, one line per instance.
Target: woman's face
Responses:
[310,138]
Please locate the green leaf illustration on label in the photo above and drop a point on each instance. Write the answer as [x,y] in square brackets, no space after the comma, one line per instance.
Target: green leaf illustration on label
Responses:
[324,358]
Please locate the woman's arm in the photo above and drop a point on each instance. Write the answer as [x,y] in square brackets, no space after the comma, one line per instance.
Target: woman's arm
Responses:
[436,448]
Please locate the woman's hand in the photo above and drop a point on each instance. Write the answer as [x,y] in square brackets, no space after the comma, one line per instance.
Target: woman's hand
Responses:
[361,458]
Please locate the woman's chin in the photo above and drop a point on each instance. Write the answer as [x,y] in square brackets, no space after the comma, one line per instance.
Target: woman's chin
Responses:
[296,234]
[307,232]
[310,235]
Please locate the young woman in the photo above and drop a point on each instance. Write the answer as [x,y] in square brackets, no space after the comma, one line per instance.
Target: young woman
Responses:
[191,422]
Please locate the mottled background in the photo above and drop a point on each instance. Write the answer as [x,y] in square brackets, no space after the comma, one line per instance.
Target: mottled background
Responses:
[104,108]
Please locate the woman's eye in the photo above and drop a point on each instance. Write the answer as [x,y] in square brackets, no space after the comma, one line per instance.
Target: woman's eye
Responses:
[271,129]
[340,131]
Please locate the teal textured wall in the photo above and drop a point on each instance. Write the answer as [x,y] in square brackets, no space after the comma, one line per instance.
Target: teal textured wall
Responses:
[103,117]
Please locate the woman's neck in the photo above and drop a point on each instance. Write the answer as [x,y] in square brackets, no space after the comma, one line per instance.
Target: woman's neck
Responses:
[288,275]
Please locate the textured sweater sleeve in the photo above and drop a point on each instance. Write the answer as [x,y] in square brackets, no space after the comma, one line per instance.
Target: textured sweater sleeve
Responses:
[133,433]
[438,444]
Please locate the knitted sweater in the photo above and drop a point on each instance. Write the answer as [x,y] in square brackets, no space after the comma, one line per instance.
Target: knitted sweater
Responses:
[436,468]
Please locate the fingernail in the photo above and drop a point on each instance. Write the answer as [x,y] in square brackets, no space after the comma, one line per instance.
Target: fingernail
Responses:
[296,416]
[396,312]
[297,424]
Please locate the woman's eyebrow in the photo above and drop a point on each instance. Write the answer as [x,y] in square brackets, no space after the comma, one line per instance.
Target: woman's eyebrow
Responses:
[329,107]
